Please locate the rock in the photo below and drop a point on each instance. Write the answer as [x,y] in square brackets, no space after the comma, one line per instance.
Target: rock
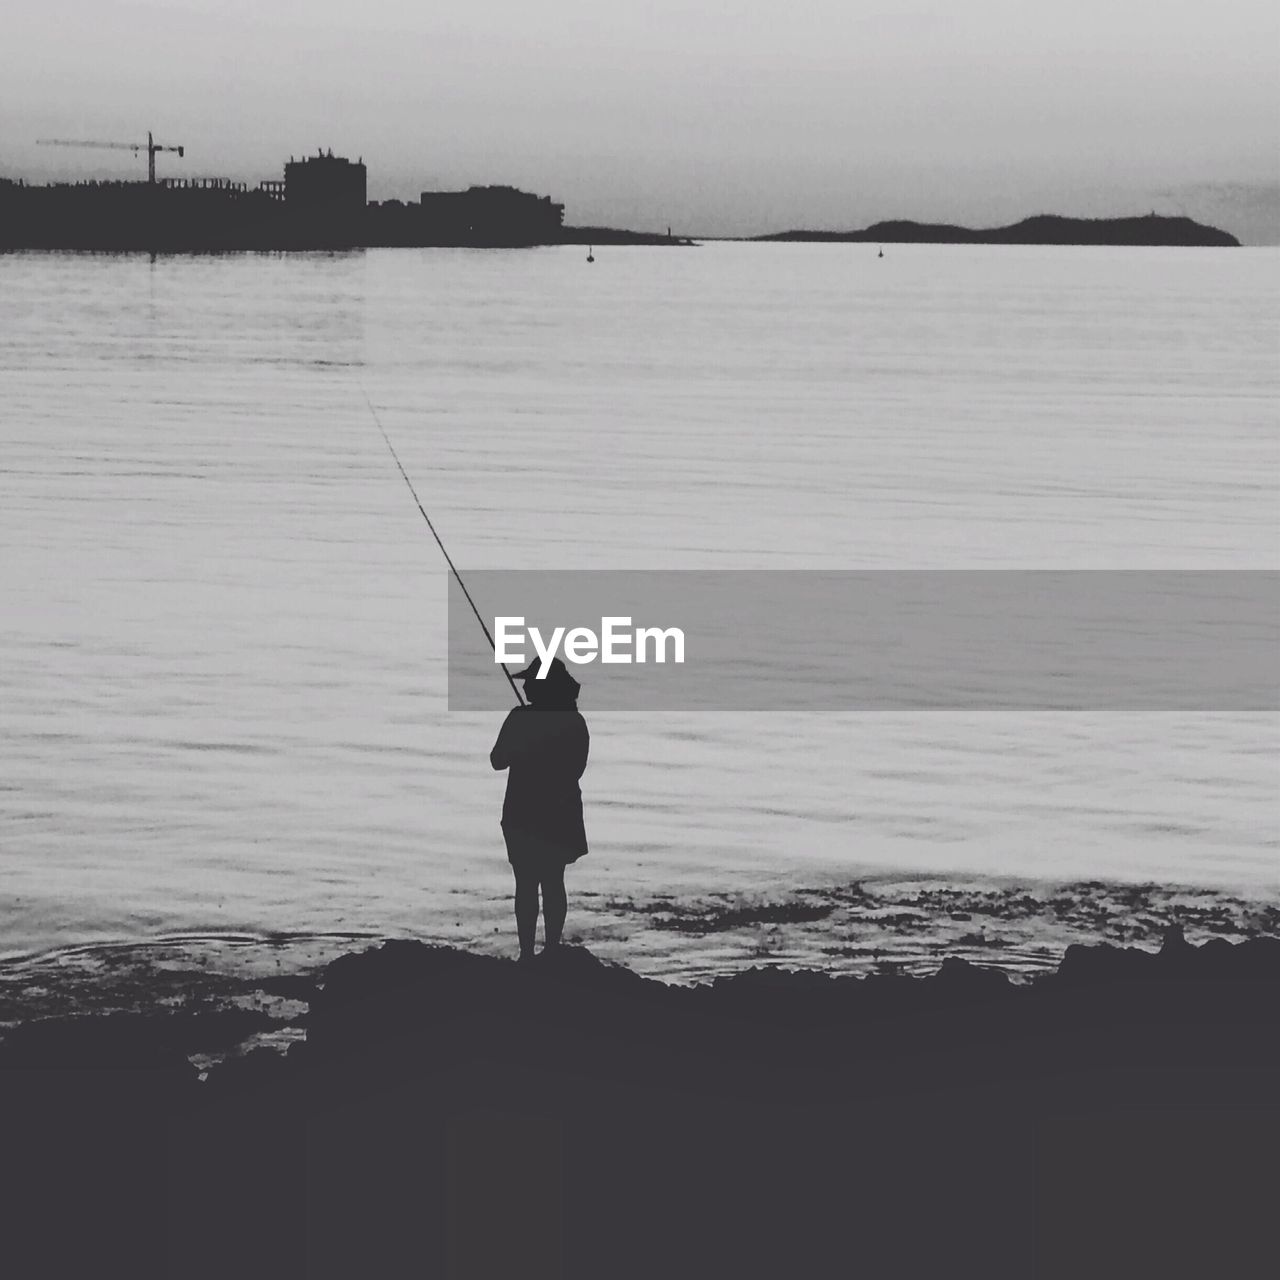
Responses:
[961,980]
[116,1042]
[1104,963]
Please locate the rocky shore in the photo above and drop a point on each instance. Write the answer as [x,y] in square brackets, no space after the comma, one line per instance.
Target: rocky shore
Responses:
[460,1115]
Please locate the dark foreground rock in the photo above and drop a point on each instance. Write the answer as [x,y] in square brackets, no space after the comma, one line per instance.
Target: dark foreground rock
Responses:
[457,1115]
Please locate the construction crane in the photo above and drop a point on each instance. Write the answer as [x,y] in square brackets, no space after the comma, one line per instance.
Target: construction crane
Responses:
[151,146]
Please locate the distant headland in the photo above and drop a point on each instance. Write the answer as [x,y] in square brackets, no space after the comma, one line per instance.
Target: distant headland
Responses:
[1045,228]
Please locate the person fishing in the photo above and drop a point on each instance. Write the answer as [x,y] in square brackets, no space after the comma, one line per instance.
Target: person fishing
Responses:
[543,746]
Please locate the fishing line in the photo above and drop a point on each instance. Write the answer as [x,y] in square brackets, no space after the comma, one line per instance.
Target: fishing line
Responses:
[448,558]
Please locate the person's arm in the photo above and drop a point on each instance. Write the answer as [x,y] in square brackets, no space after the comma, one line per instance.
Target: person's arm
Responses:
[505,750]
[581,748]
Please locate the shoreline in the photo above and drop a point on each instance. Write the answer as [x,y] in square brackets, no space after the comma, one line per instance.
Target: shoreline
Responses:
[157,243]
[256,986]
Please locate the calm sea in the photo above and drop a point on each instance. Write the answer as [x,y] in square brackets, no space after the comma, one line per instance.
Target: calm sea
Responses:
[222,621]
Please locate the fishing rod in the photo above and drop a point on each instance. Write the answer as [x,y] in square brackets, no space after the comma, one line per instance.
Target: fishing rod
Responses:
[453,568]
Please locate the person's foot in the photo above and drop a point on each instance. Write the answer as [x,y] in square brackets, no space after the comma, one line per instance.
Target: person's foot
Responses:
[526,957]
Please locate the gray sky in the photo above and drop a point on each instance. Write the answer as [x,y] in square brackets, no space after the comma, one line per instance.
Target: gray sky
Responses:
[715,117]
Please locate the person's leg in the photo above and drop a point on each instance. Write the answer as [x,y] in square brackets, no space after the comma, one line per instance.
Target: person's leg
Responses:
[554,904]
[526,908]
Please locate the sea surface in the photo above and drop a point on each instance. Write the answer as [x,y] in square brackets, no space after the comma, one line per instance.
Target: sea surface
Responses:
[224,738]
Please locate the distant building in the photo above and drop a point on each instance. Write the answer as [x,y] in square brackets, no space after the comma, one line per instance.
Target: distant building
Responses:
[326,183]
[489,215]
[324,200]
[321,203]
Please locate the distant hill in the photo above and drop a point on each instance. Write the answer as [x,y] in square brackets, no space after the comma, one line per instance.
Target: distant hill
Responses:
[1044,228]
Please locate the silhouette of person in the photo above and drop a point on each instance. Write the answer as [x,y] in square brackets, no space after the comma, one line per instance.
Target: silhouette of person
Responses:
[543,746]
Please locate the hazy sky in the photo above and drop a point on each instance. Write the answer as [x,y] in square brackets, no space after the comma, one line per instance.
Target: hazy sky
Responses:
[731,117]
